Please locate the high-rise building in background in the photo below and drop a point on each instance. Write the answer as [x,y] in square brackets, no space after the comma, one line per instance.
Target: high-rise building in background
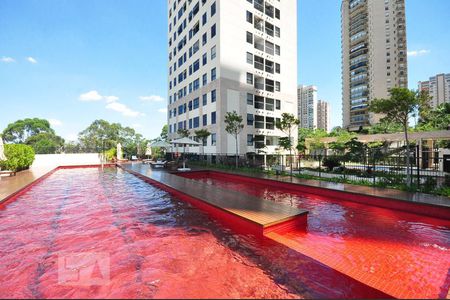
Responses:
[323,115]
[307,106]
[232,55]
[374,56]
[438,87]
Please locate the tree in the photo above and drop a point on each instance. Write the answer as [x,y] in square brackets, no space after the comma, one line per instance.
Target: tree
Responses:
[183,133]
[102,135]
[401,105]
[287,124]
[45,143]
[19,131]
[164,136]
[36,133]
[202,135]
[234,126]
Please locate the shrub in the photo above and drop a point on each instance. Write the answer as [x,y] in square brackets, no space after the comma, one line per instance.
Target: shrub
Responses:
[18,157]
[110,154]
[331,162]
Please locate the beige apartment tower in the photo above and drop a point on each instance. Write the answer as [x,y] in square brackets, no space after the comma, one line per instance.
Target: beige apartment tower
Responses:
[323,115]
[374,56]
[439,89]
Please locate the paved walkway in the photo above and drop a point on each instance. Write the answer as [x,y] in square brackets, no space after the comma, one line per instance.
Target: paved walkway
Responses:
[10,185]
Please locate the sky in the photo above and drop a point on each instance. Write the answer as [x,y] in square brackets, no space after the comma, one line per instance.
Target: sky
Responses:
[75,61]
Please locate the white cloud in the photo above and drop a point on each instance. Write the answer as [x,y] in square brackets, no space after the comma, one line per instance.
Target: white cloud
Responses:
[152,98]
[110,99]
[91,96]
[415,53]
[7,60]
[163,110]
[31,60]
[123,109]
[55,122]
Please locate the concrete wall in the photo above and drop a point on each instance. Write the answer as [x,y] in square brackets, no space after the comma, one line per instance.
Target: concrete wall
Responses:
[46,160]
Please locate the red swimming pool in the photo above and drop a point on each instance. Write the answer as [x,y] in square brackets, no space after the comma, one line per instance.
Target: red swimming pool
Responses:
[400,253]
[92,233]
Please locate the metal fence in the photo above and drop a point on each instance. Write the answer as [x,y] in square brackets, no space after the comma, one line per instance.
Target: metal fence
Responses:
[427,172]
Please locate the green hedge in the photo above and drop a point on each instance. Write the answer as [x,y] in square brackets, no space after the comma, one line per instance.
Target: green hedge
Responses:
[18,157]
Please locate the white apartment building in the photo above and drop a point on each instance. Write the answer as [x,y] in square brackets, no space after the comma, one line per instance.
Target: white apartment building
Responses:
[307,106]
[323,115]
[438,87]
[374,56]
[231,55]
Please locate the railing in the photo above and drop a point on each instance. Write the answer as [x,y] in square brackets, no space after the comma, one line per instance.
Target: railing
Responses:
[427,173]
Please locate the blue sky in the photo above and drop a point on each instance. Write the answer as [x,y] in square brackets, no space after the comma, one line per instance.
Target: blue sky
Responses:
[74,61]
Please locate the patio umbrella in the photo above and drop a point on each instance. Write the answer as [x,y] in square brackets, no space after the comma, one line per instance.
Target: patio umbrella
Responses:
[185,141]
[119,151]
[161,144]
[148,151]
[2,150]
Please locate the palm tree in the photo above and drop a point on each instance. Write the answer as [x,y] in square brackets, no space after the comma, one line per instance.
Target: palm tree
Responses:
[202,135]
[287,124]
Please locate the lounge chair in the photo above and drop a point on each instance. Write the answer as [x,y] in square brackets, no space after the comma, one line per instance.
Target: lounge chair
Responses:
[158,164]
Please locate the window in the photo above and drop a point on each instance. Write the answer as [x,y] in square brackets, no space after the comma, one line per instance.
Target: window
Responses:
[250,119]
[249,58]
[213,96]
[205,59]
[270,85]
[213,9]
[250,140]
[249,17]
[259,102]
[249,37]
[196,122]
[213,74]
[278,104]
[277,50]
[205,120]
[270,104]
[196,103]
[249,78]
[213,139]
[213,52]
[204,18]
[259,122]
[249,99]
[205,79]
[277,13]
[204,39]
[259,63]
[213,31]
[277,68]
[205,99]
[277,86]
[213,118]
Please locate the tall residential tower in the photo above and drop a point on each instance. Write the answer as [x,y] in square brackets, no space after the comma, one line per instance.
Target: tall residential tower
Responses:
[307,106]
[374,56]
[232,55]
[438,87]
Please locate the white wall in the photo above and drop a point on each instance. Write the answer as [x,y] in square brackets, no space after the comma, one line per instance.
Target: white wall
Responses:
[47,160]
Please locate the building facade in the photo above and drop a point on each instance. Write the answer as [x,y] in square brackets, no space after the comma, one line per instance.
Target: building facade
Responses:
[307,106]
[232,55]
[323,115]
[438,87]
[374,56]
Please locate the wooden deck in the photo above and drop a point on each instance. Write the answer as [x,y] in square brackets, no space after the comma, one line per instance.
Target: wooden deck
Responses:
[240,209]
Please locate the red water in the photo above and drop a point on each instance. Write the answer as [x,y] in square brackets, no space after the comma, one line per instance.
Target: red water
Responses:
[88,233]
[402,254]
